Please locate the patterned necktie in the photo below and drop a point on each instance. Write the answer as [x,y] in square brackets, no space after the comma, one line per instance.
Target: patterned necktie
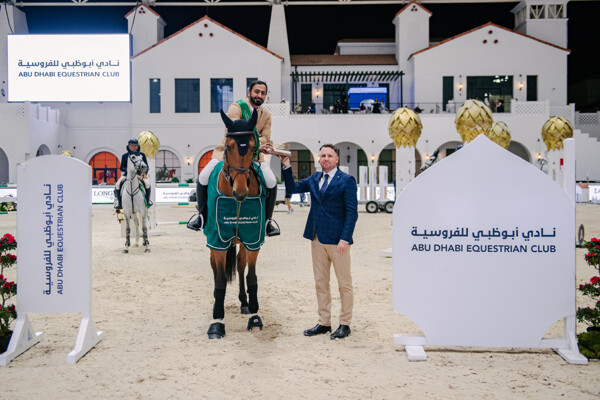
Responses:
[324,186]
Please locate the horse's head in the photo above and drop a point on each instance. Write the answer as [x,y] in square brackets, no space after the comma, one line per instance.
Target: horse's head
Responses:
[239,150]
[136,165]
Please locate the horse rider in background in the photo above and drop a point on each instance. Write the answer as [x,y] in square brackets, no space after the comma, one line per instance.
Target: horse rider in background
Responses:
[257,92]
[132,147]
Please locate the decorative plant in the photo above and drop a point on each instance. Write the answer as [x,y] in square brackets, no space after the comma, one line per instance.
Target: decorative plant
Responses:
[175,179]
[8,289]
[190,180]
[589,342]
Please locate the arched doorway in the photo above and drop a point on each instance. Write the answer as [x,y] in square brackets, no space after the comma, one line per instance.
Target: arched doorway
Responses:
[204,160]
[43,150]
[387,158]
[519,150]
[303,163]
[105,168]
[351,156]
[448,148]
[167,166]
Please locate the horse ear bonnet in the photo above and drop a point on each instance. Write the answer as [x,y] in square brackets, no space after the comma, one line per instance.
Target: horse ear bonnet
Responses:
[239,126]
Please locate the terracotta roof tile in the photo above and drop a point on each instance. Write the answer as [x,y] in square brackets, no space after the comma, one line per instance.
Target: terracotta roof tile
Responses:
[207,18]
[495,26]
[347,59]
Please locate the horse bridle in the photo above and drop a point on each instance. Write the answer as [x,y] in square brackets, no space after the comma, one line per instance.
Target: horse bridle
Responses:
[239,170]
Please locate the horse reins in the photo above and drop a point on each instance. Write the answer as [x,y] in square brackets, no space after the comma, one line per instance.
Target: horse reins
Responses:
[239,170]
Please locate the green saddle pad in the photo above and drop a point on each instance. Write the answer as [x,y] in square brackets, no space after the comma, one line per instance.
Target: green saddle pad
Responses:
[223,221]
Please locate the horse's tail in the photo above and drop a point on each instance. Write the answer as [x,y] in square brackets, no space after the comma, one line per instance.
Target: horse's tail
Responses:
[230,263]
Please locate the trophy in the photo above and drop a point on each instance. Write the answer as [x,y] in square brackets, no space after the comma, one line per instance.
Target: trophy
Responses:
[282,150]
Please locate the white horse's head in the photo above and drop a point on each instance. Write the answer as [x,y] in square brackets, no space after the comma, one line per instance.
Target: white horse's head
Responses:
[136,165]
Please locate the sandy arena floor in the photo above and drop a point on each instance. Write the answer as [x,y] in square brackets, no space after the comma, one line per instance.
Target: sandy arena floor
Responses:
[155,309]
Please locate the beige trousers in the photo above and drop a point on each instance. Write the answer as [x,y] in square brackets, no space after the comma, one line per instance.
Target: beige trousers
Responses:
[323,255]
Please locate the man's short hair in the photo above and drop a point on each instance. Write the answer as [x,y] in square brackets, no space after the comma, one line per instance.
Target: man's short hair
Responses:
[257,82]
[332,147]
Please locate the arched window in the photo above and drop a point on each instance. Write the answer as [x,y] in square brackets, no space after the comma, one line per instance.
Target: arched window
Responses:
[167,166]
[105,168]
[204,160]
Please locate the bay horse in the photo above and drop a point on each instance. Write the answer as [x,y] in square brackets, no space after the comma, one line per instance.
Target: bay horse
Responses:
[237,179]
[134,202]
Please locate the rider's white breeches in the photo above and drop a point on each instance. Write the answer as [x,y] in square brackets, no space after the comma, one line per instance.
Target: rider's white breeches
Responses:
[122,178]
[270,180]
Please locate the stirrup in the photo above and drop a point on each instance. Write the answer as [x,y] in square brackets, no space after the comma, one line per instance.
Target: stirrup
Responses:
[276,231]
[193,227]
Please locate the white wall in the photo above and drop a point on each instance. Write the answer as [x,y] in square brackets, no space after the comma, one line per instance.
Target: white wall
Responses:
[511,55]
[412,34]
[148,28]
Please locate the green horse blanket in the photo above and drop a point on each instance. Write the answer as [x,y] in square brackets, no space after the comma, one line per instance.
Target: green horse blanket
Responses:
[223,220]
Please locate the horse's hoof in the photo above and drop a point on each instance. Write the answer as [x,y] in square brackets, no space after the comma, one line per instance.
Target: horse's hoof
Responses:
[125,251]
[147,251]
[255,324]
[245,310]
[216,331]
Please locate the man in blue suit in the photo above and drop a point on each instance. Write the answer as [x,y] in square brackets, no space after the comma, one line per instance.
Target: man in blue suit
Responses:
[329,227]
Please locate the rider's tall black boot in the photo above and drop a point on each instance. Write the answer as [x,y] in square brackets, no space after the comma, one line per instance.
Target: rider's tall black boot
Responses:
[201,198]
[118,204]
[272,227]
[148,201]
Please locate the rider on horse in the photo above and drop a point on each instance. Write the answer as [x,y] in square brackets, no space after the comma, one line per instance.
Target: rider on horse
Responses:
[257,92]
[132,147]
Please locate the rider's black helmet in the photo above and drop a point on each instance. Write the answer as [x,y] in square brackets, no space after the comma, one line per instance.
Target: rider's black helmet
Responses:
[133,141]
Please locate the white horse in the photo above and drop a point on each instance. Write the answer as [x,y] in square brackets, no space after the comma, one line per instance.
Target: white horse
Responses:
[133,200]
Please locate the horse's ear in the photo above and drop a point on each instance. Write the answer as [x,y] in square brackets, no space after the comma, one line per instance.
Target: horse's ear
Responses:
[253,119]
[226,119]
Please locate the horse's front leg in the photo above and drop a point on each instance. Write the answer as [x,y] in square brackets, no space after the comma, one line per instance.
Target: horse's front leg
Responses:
[145,232]
[127,234]
[241,269]
[254,323]
[136,223]
[217,326]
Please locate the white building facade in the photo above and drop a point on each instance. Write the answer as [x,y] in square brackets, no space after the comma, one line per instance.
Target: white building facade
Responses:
[180,83]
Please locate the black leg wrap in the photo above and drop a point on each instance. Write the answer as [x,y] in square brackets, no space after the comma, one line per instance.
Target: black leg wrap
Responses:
[253,296]
[255,322]
[216,331]
[219,307]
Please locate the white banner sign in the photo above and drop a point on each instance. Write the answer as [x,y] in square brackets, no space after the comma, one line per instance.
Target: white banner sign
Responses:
[54,234]
[68,68]
[173,194]
[102,195]
[483,250]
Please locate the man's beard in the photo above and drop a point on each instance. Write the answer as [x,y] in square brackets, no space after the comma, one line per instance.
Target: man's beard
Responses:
[257,101]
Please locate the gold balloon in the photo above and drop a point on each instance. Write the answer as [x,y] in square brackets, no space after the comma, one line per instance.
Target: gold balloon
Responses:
[66,153]
[555,130]
[149,144]
[499,134]
[405,127]
[472,119]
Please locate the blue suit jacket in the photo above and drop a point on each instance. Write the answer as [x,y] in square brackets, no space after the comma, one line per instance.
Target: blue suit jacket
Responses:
[333,216]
